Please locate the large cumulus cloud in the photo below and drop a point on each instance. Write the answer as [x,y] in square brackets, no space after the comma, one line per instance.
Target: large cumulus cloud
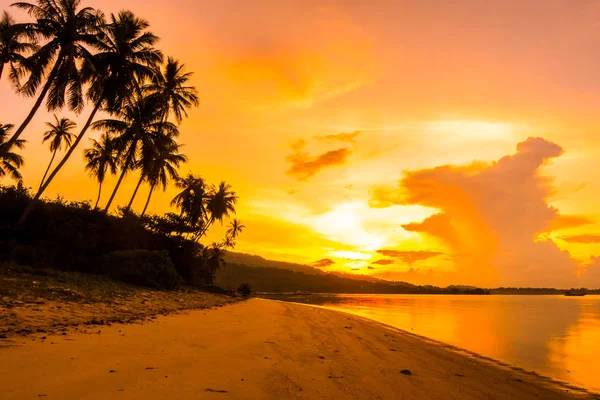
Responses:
[491,215]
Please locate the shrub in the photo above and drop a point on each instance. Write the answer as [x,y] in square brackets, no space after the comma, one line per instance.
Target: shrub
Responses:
[244,289]
[150,268]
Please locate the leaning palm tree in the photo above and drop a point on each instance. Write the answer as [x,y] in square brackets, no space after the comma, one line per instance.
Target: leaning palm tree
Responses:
[138,121]
[172,91]
[60,135]
[100,159]
[10,162]
[13,47]
[126,57]
[67,31]
[161,162]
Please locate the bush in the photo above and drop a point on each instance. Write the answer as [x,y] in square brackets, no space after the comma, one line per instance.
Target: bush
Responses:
[71,236]
[244,289]
[150,268]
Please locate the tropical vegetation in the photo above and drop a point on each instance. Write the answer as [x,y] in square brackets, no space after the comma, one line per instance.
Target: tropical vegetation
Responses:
[72,58]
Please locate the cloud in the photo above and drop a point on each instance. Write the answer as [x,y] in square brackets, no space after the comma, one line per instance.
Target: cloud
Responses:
[384,262]
[569,221]
[325,262]
[585,238]
[491,214]
[438,225]
[370,267]
[298,145]
[303,166]
[341,137]
[409,256]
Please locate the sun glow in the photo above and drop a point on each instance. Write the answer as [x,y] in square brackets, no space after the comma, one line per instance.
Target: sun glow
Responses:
[473,129]
[345,223]
[351,255]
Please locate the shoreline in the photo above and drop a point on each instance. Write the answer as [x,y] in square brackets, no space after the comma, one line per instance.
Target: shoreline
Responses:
[466,353]
[261,349]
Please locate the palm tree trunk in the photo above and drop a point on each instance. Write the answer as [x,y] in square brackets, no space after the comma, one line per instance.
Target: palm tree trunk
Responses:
[37,105]
[60,165]
[204,229]
[99,193]
[210,222]
[48,169]
[148,200]
[123,172]
[135,191]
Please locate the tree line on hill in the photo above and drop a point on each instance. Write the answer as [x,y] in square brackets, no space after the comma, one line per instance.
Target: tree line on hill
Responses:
[278,280]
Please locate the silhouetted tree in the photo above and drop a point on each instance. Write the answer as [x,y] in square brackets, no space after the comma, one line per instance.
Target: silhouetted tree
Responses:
[139,120]
[162,164]
[14,46]
[126,56]
[235,228]
[220,204]
[191,200]
[100,159]
[60,135]
[10,162]
[67,32]
[171,90]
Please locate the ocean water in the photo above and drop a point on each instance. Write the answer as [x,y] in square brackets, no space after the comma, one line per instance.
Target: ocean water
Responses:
[556,336]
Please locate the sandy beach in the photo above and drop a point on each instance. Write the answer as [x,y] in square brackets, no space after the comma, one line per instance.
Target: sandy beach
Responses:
[259,349]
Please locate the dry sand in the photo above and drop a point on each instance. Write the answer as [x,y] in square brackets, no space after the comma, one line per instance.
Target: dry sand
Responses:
[259,349]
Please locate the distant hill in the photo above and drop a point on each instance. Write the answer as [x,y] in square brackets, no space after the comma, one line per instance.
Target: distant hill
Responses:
[250,260]
[279,280]
[279,276]
[257,261]
[518,290]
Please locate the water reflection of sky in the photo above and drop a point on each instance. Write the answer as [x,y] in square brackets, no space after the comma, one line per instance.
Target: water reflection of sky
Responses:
[552,335]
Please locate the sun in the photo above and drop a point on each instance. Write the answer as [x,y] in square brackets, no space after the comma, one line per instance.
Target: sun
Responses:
[346,223]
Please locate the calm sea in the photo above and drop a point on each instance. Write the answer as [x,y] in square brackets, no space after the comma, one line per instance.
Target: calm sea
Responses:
[556,336]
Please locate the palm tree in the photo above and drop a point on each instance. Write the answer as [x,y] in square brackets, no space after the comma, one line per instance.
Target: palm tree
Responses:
[220,204]
[126,57]
[235,228]
[138,121]
[100,159]
[59,135]
[212,258]
[171,90]
[192,199]
[67,31]
[12,47]
[10,162]
[160,163]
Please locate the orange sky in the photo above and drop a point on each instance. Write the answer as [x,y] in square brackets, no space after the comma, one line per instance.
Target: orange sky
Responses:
[349,127]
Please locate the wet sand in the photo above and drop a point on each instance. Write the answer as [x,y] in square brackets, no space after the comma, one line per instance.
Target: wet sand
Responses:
[259,349]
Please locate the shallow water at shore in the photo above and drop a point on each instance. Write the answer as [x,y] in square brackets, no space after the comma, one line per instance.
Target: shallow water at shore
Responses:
[555,336]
